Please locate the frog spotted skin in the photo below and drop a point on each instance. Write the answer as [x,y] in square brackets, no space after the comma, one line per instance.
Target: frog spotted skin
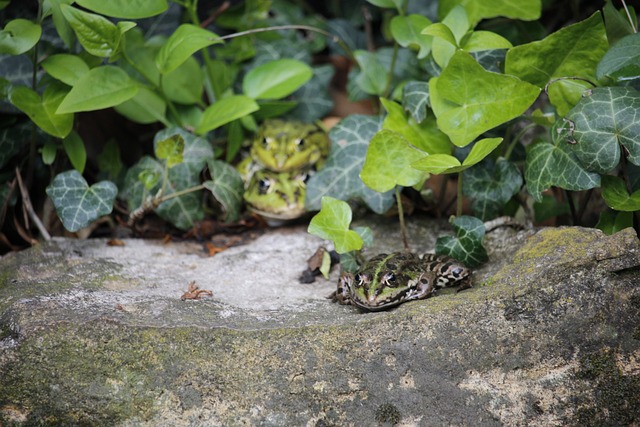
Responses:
[276,196]
[388,280]
[285,146]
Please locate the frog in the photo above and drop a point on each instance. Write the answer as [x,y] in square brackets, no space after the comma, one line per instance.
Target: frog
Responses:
[388,280]
[282,155]
[287,146]
[276,196]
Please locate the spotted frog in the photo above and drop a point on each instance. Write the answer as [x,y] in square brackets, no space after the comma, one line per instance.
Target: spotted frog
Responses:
[387,280]
[282,155]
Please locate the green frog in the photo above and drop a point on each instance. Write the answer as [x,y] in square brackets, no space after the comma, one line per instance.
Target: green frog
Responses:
[276,196]
[282,155]
[387,280]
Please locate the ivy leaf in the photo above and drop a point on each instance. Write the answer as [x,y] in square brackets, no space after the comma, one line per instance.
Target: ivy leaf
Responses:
[276,79]
[225,111]
[340,176]
[555,164]
[445,163]
[407,31]
[141,178]
[615,194]
[490,186]
[185,210]
[604,119]
[373,75]
[425,136]
[186,40]
[622,60]
[102,87]
[126,9]
[43,111]
[197,151]
[468,101]
[415,99]
[388,162]
[466,246]
[170,149]
[313,99]
[332,223]
[448,34]
[227,187]
[18,36]
[77,204]
[571,51]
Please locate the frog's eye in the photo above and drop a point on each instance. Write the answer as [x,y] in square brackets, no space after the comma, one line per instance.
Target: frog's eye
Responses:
[263,185]
[390,280]
[457,272]
[358,279]
[266,141]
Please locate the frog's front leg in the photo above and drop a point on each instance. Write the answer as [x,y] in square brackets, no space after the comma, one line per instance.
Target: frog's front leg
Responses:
[342,294]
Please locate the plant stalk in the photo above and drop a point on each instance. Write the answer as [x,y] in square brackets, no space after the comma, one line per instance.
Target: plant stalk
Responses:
[403,227]
[459,195]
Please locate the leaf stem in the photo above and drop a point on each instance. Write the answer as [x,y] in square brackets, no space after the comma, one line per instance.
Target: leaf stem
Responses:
[626,10]
[459,196]
[403,227]
[394,58]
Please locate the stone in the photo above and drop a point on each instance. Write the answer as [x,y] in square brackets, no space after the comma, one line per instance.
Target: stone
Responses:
[98,335]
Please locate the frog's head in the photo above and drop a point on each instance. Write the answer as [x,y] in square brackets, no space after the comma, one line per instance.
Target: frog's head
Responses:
[284,146]
[275,195]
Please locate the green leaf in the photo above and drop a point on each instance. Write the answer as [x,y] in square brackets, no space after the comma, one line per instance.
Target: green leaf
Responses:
[485,40]
[126,9]
[444,163]
[415,99]
[184,84]
[388,162]
[448,34]
[197,151]
[146,107]
[227,187]
[62,26]
[74,147]
[466,246]
[313,100]
[441,31]
[109,161]
[622,60]
[407,31]
[332,223]
[18,36]
[186,40]
[170,149]
[490,186]
[149,179]
[185,210]
[65,67]
[77,204]
[340,176]
[603,120]
[43,111]
[468,101]
[49,152]
[616,23]
[425,136]
[373,76]
[611,221]
[225,111]
[555,165]
[276,79]
[101,87]
[616,196]
[98,35]
[529,10]
[571,51]
[142,178]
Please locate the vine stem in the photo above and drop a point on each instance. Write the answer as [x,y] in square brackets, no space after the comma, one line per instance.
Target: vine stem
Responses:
[403,227]
[333,37]
[626,9]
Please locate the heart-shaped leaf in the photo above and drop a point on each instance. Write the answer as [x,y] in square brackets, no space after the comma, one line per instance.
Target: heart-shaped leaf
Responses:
[407,31]
[388,162]
[444,163]
[332,223]
[466,246]
[227,187]
[523,10]
[415,99]
[603,120]
[467,100]
[340,176]
[43,111]
[77,204]
[18,36]
[170,149]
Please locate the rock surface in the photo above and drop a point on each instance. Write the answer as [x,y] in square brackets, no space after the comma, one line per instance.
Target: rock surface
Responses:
[97,335]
